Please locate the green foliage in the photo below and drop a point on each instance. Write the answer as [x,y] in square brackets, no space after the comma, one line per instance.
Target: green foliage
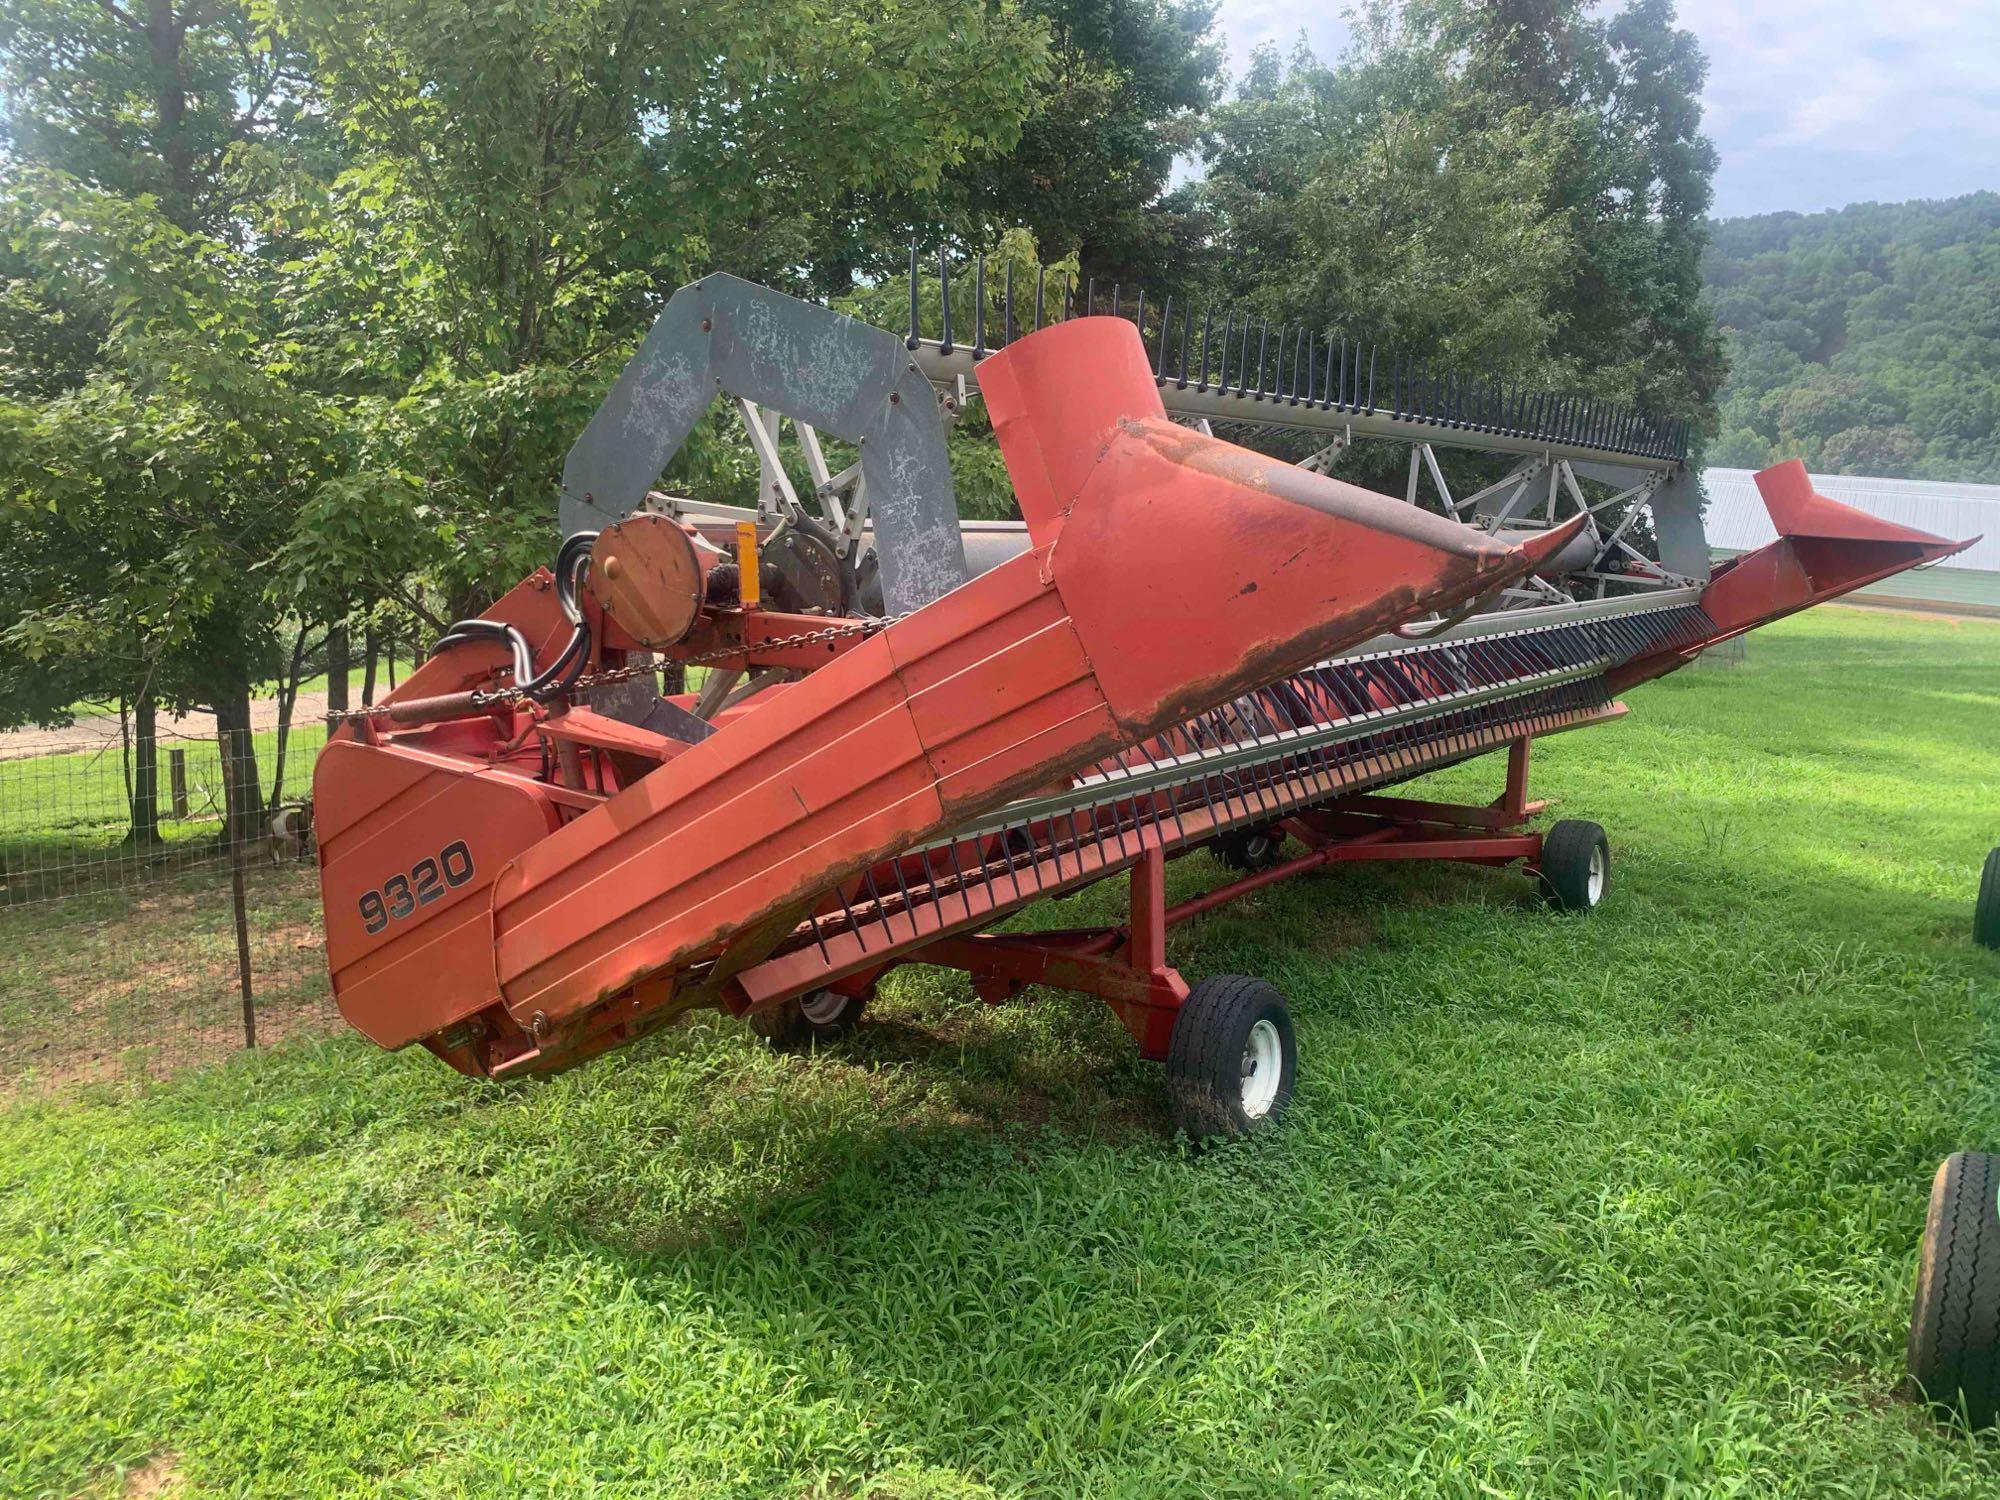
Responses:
[304,302]
[526,184]
[1865,341]
[1120,96]
[1625,1205]
[1124,96]
[153,100]
[1354,202]
[143,502]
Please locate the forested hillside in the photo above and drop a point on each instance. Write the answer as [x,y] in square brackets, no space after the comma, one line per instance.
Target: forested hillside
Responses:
[1866,341]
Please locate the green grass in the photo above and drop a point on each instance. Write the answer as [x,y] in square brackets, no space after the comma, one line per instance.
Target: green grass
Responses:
[1625,1205]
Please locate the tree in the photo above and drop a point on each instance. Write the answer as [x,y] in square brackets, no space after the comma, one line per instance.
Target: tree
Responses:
[529,183]
[1516,185]
[145,504]
[1122,98]
[305,300]
[123,130]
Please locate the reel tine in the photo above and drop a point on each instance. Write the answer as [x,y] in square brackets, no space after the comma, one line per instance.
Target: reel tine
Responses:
[979,309]
[944,294]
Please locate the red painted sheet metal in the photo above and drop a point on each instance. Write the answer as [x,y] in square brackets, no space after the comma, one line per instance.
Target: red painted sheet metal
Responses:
[422,968]
[1177,571]
[1195,568]
[1798,510]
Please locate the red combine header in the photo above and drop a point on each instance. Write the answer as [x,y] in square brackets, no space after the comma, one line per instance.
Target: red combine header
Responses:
[530,855]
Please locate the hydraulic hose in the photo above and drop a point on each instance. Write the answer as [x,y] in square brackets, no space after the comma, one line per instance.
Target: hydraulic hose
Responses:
[572,559]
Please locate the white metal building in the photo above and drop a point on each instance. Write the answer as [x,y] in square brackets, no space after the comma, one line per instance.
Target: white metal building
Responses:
[1970,582]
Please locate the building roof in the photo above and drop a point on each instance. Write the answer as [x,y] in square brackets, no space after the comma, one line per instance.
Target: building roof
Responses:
[1737,521]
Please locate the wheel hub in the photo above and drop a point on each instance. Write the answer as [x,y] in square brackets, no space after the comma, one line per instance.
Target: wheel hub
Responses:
[1263,1069]
[823,1007]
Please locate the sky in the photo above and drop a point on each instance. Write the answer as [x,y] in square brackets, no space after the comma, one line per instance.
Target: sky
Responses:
[1810,105]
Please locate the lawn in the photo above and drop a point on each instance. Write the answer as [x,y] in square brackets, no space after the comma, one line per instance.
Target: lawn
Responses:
[141,979]
[1626,1204]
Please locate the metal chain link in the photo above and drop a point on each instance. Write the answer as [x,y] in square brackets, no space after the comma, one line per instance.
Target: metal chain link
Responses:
[824,636]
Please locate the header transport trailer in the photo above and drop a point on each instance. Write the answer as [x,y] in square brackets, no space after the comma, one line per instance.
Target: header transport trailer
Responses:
[911,727]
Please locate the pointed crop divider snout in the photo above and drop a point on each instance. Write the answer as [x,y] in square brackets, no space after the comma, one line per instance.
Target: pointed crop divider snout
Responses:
[1824,549]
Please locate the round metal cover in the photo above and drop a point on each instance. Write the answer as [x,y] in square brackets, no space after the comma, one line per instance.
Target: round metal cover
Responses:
[645,575]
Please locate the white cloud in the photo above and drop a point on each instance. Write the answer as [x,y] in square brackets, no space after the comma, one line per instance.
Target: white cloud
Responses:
[1811,105]
[1248,24]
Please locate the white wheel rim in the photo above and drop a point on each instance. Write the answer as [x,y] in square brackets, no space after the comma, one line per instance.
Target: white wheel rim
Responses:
[823,1007]
[1595,885]
[1263,1069]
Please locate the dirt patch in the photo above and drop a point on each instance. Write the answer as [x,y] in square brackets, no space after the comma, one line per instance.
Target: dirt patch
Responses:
[158,1478]
[102,731]
[152,986]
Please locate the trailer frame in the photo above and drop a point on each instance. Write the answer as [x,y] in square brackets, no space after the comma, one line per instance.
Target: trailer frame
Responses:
[1126,966]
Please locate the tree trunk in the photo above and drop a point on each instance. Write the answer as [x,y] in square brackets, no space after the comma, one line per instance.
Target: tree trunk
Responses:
[143,789]
[239,773]
[288,700]
[336,669]
[371,646]
[165,35]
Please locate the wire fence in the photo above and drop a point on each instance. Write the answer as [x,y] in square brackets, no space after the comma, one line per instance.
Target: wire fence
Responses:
[156,912]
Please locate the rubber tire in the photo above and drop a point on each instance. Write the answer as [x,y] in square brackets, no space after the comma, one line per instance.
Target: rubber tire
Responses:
[1954,1350]
[1565,868]
[1205,1057]
[1986,911]
[1248,850]
[787,1027]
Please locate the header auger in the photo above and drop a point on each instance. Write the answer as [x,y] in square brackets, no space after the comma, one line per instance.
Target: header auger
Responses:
[911,729]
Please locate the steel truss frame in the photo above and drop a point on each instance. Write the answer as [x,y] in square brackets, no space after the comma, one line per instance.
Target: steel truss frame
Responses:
[721,337]
[1541,489]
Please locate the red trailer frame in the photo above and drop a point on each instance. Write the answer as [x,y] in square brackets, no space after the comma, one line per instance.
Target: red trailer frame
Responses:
[1127,968]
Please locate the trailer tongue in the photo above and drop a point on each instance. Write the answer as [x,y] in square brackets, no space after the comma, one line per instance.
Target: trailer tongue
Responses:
[529,855]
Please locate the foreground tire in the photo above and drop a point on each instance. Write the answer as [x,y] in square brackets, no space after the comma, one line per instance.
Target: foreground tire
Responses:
[1986,910]
[1576,865]
[809,1020]
[1249,850]
[1232,1060]
[1954,1351]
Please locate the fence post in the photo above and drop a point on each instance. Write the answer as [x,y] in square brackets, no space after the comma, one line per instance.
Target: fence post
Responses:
[233,830]
[177,779]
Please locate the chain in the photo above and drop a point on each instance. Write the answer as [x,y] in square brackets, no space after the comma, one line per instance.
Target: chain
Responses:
[824,636]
